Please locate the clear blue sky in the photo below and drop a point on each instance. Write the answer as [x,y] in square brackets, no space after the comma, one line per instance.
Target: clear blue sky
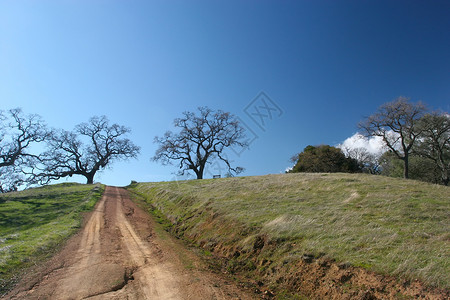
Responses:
[325,64]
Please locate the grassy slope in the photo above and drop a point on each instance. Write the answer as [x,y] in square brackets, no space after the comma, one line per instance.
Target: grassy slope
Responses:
[391,226]
[34,222]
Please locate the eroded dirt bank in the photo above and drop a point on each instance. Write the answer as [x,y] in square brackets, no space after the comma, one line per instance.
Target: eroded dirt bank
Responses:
[117,255]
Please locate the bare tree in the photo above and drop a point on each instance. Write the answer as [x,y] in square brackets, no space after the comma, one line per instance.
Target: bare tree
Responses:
[201,139]
[18,134]
[11,178]
[397,124]
[367,161]
[434,143]
[68,155]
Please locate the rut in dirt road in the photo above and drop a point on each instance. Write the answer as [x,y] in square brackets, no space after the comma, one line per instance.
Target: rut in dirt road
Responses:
[77,281]
[154,279]
[117,256]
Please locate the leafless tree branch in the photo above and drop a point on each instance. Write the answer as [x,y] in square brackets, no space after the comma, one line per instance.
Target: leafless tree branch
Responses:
[201,138]
[396,123]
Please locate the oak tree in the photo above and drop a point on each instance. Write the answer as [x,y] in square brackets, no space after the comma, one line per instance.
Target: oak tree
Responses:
[368,162]
[397,123]
[434,143]
[68,154]
[324,158]
[201,138]
[18,134]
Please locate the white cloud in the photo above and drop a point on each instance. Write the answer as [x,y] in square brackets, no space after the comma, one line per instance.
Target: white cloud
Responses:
[373,145]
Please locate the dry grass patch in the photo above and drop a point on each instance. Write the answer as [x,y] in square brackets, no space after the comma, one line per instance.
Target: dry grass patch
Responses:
[390,226]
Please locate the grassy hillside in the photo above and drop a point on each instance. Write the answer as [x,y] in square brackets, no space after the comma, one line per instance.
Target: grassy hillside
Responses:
[35,221]
[263,224]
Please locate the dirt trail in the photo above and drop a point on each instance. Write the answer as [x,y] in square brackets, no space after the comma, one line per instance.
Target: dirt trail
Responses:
[117,255]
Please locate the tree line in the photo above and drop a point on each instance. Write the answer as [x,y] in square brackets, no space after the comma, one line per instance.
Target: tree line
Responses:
[416,139]
[32,153]
[92,146]
[417,143]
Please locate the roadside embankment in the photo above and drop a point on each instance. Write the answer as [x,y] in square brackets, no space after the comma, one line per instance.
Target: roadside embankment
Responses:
[340,236]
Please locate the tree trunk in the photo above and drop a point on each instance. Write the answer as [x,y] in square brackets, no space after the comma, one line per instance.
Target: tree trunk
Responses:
[406,166]
[200,172]
[443,168]
[90,178]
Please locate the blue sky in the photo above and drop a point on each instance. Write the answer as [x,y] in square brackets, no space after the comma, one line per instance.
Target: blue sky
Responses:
[324,64]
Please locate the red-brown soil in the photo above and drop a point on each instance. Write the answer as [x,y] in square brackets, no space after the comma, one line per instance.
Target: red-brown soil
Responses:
[118,255]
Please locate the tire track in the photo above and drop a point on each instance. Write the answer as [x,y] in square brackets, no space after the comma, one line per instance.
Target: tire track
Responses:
[89,274]
[155,280]
[108,259]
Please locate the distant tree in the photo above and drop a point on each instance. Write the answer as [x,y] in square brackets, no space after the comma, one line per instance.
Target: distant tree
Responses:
[68,155]
[420,168]
[18,134]
[397,124]
[368,162]
[390,165]
[326,159]
[423,169]
[434,143]
[201,138]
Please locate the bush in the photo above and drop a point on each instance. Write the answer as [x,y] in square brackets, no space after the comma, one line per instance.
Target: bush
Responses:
[325,158]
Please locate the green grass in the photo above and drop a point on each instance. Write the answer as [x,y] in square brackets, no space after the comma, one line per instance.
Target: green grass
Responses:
[390,226]
[34,222]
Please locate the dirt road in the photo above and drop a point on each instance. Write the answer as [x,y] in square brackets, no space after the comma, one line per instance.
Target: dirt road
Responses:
[118,255]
